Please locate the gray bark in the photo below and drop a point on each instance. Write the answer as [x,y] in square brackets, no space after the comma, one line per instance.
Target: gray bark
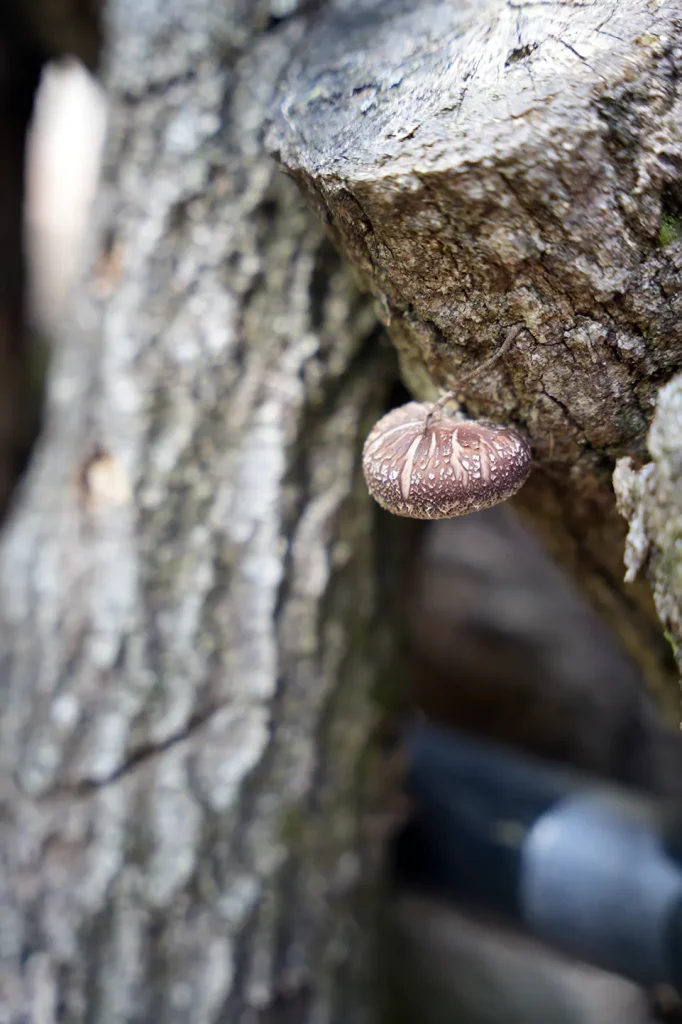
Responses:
[491,164]
[188,607]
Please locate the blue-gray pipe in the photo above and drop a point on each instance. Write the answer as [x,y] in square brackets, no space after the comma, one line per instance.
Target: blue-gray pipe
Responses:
[588,868]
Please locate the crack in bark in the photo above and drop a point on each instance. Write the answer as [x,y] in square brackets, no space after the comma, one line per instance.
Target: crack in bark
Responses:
[136,759]
[575,53]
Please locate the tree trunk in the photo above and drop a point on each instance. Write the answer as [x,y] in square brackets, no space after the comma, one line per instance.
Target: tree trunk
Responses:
[486,165]
[188,602]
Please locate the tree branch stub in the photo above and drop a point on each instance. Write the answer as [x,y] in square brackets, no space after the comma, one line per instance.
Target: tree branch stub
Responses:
[515,164]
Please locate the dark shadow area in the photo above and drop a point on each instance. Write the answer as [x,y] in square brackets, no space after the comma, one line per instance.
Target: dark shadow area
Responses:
[21,63]
[495,642]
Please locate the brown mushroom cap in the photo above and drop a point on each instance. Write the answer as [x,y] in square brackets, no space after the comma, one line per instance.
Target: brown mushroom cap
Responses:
[443,468]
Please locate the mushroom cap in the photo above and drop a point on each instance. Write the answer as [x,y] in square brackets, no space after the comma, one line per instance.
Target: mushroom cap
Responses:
[449,468]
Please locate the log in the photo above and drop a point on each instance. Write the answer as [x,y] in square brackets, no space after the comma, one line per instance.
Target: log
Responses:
[500,164]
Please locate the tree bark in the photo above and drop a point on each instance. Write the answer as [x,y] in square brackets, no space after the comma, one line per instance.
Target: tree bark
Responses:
[500,164]
[188,604]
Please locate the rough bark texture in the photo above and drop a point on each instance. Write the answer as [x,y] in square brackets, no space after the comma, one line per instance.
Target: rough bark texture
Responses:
[187,589]
[650,498]
[491,164]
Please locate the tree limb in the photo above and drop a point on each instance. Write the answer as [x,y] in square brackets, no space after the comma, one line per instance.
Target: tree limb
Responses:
[499,164]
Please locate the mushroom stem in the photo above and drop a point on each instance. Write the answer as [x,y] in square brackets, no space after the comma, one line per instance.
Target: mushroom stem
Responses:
[512,335]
